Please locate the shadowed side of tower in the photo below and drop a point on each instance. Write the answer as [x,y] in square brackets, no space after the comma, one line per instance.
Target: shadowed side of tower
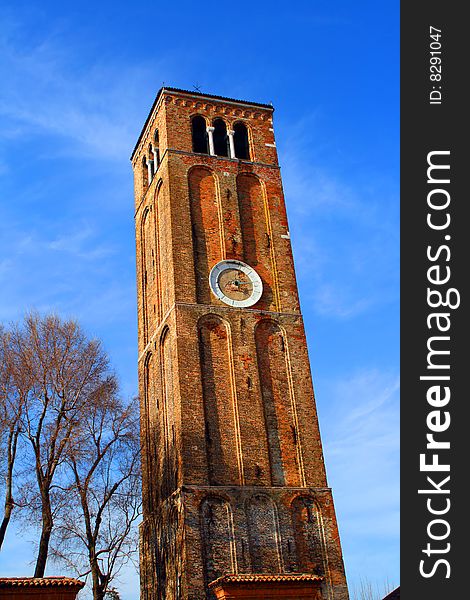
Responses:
[236,502]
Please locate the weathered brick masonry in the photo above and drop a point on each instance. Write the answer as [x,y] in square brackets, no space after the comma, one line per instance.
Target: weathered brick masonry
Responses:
[233,474]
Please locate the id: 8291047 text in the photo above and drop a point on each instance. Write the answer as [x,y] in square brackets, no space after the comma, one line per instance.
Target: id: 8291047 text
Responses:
[435,65]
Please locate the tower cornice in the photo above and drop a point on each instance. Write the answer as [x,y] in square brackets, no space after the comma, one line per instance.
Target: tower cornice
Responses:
[171,91]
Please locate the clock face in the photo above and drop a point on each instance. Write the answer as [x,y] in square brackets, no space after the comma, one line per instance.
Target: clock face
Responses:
[235,283]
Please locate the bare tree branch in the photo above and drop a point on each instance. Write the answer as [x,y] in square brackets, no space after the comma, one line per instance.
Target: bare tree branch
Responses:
[55,370]
[78,479]
[11,407]
[105,463]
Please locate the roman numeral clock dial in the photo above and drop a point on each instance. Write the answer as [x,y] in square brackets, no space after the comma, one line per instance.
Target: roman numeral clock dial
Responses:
[235,283]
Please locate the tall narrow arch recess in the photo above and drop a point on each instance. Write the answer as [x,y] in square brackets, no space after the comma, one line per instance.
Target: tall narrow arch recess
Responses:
[219,401]
[206,229]
[198,127]
[220,138]
[240,139]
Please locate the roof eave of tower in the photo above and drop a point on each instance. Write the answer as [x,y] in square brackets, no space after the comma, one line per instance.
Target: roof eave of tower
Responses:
[197,95]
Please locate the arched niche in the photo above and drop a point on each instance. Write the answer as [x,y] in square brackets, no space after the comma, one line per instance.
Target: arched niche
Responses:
[144,238]
[163,250]
[168,449]
[206,228]
[273,369]
[150,280]
[218,541]
[263,535]
[219,401]
[149,383]
[146,428]
[255,229]
[306,524]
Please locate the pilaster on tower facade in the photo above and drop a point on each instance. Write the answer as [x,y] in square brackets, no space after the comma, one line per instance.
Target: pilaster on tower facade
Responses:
[236,502]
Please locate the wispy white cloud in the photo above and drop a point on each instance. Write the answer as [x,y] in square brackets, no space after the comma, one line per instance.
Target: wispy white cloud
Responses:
[44,91]
[335,301]
[80,243]
[58,244]
[344,231]
[66,265]
[366,406]
[360,426]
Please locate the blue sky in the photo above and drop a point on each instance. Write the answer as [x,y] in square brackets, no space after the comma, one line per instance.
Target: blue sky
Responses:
[78,80]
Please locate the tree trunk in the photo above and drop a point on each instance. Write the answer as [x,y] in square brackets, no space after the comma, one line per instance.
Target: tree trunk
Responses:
[6,519]
[44,542]
[98,586]
[12,442]
[98,592]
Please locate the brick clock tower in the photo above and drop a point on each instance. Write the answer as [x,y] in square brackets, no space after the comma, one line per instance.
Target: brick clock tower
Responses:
[236,502]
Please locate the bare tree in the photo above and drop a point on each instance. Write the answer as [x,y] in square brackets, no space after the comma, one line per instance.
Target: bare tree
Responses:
[368,590]
[97,535]
[60,370]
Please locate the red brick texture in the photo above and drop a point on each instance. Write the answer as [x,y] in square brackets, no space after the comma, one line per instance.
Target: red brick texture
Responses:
[233,472]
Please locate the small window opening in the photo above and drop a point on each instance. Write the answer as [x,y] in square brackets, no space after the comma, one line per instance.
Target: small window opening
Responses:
[199,135]
[240,139]
[145,173]
[220,138]
[294,434]
[151,162]
[156,147]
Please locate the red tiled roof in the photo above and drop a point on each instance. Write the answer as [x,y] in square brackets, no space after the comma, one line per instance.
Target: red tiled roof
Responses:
[265,577]
[7,582]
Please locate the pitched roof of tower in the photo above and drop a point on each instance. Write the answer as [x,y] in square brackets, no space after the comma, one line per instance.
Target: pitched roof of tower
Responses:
[197,95]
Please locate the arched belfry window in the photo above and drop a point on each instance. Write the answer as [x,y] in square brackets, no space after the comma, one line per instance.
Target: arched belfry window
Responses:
[156,151]
[151,162]
[198,124]
[220,138]
[240,138]
[145,173]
